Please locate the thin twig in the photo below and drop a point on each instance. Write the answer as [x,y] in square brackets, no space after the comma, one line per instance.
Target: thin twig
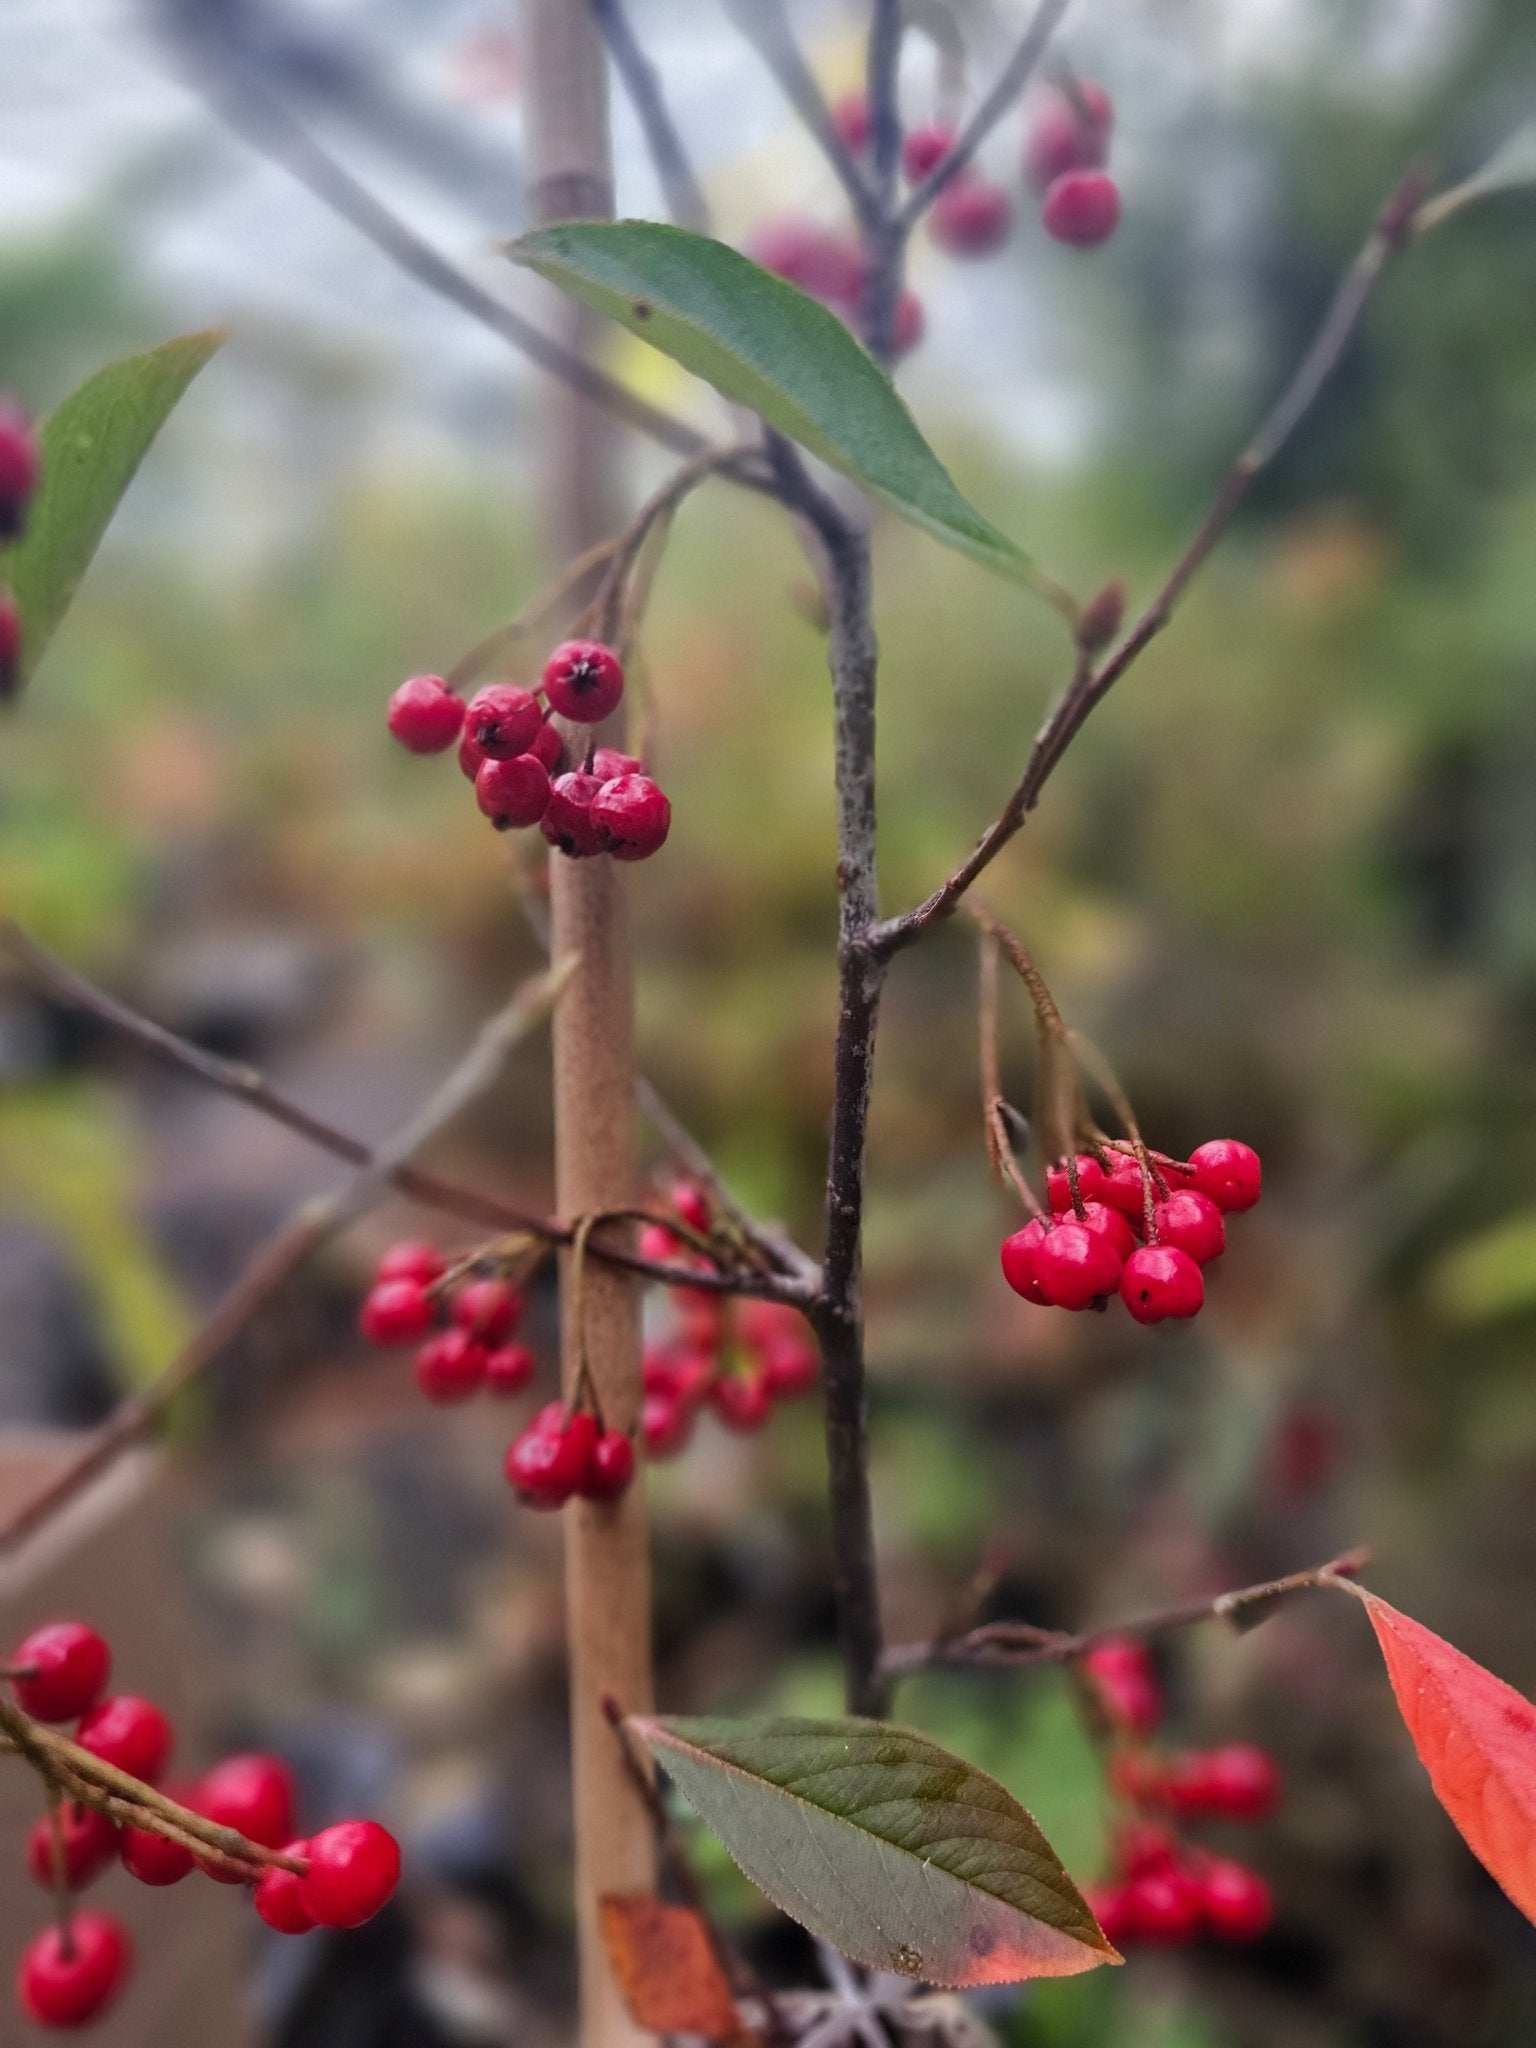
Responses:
[766,28]
[684,194]
[1090,686]
[774,1242]
[1019,1645]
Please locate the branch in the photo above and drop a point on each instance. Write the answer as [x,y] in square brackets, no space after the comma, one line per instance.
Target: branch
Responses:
[1018,1645]
[765,27]
[1089,686]
[684,195]
[263,121]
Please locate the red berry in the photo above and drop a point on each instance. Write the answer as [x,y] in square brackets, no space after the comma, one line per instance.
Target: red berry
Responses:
[665,1424]
[512,793]
[743,1401]
[546,1465]
[252,1794]
[1240,1782]
[1075,1266]
[828,266]
[69,1667]
[1142,1779]
[971,216]
[909,325]
[425,715]
[152,1859]
[1124,1189]
[279,1896]
[695,1375]
[1111,1908]
[10,645]
[1110,1224]
[396,1312]
[584,680]
[68,1980]
[353,1870]
[413,1259]
[1192,1223]
[549,748]
[631,817]
[89,1842]
[925,149]
[1020,1256]
[503,720]
[567,824]
[1126,1683]
[850,117]
[1069,133]
[691,1205]
[488,1308]
[1160,1281]
[450,1367]
[608,764]
[472,756]
[1058,1184]
[129,1732]
[790,1365]
[610,1467]
[659,1243]
[18,468]
[1229,1172]
[1164,1906]
[550,1420]
[1235,1902]
[1082,209]
[509,1368]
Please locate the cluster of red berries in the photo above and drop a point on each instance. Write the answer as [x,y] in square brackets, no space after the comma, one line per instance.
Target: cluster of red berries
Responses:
[566,1453]
[18,480]
[516,756]
[1162,1890]
[72,1972]
[1103,1202]
[469,1324]
[736,1357]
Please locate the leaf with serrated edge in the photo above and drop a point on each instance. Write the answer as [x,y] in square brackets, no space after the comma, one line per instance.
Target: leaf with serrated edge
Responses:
[1476,1736]
[765,344]
[902,1856]
[92,444]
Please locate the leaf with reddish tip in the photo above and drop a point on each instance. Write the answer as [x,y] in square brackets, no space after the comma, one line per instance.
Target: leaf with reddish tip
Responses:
[1476,1736]
[902,1856]
[666,1967]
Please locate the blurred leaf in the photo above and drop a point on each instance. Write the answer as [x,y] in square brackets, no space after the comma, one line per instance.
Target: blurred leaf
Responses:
[763,343]
[1492,1274]
[92,444]
[1512,163]
[1476,1737]
[899,1854]
[667,1969]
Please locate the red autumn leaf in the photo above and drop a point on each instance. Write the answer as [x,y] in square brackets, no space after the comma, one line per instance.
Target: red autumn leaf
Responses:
[667,1969]
[1476,1736]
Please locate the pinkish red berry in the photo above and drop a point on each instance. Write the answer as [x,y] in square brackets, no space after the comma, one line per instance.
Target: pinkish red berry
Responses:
[1240,1781]
[1082,209]
[925,149]
[666,1424]
[19,462]
[546,1465]
[548,749]
[1160,1282]
[1123,1677]
[1229,1172]
[10,645]
[129,1732]
[472,756]
[828,266]
[909,324]
[567,823]
[68,1666]
[1191,1222]
[584,680]
[353,1870]
[425,715]
[609,1469]
[67,1982]
[691,1205]
[396,1312]
[1110,1224]
[503,720]
[971,216]
[631,817]
[253,1794]
[152,1859]
[412,1259]
[1020,1256]
[743,1401]
[512,793]
[278,1895]
[1069,132]
[1235,1902]
[659,1244]
[850,118]
[88,1840]
[509,1368]
[1164,1906]
[450,1367]
[608,763]
[489,1309]
[1058,1182]
[1111,1908]
[1123,1188]
[1075,1266]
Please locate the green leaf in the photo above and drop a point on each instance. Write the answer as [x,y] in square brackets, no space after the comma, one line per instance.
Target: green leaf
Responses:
[899,1854]
[764,344]
[91,446]
[1512,163]
[1492,1274]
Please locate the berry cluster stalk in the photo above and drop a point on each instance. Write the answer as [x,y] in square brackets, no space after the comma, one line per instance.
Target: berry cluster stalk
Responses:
[608,1603]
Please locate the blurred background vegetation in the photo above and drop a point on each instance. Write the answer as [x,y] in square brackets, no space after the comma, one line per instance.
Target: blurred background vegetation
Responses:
[1287,881]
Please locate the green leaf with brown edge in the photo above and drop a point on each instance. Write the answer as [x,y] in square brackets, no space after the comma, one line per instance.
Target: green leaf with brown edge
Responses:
[902,1856]
[765,344]
[92,445]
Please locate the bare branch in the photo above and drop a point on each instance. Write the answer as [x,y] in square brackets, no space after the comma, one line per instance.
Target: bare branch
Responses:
[766,28]
[684,194]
